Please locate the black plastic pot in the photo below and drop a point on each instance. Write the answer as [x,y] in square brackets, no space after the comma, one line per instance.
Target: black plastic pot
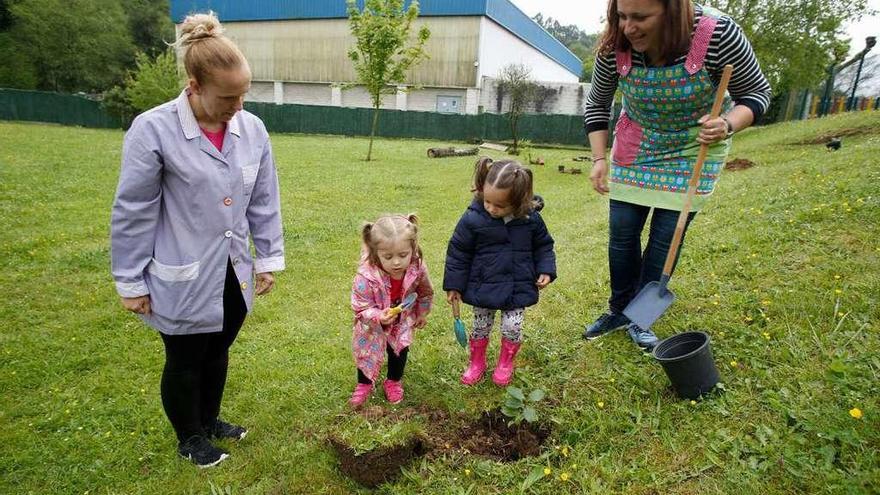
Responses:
[687,360]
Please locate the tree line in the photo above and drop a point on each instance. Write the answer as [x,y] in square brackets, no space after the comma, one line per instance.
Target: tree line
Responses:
[93,46]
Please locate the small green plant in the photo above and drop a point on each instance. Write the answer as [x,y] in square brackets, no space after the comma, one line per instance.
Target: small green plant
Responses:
[518,407]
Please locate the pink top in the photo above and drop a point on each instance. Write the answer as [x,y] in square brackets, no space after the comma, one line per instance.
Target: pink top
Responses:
[216,137]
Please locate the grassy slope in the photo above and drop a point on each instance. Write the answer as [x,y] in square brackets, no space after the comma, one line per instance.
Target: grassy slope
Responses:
[783,269]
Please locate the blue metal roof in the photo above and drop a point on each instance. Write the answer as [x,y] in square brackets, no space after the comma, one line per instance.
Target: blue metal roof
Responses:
[501,11]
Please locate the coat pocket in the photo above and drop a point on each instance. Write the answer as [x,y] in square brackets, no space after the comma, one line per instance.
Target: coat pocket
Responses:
[174,273]
[249,176]
[172,288]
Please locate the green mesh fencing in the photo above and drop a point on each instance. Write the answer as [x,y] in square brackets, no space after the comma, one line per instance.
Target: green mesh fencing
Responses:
[307,119]
[58,108]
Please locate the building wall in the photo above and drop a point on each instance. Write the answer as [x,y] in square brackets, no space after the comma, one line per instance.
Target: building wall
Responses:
[421,100]
[499,47]
[557,98]
[316,50]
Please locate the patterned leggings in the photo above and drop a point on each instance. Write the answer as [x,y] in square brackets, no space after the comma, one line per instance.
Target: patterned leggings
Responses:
[511,323]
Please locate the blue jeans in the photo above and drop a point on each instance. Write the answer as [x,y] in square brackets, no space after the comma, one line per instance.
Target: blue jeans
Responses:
[631,269]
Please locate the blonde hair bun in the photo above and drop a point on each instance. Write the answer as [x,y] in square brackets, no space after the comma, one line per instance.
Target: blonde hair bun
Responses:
[199,26]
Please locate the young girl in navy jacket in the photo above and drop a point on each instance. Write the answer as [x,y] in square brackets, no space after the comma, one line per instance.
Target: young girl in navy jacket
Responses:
[498,258]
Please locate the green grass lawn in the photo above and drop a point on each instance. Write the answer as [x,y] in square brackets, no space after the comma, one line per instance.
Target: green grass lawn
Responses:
[782,269]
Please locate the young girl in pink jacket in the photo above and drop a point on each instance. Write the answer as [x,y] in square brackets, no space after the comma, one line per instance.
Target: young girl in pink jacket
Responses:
[391,268]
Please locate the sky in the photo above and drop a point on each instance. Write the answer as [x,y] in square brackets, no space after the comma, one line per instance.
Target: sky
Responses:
[588,15]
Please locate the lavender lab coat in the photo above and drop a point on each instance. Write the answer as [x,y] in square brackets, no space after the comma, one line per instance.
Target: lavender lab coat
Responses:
[183,208]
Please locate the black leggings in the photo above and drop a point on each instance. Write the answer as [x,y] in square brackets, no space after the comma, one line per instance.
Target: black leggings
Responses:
[195,367]
[396,364]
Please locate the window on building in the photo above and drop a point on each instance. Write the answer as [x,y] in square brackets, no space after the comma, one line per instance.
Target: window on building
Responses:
[449,104]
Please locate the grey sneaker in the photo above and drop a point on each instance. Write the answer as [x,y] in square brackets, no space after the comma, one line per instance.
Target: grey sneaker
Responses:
[607,322]
[643,338]
[222,429]
[201,452]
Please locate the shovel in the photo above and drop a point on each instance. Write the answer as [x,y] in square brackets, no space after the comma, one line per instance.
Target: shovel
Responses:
[406,304]
[460,331]
[653,300]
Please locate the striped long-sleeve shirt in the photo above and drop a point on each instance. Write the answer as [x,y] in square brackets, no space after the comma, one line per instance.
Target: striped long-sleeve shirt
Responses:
[728,45]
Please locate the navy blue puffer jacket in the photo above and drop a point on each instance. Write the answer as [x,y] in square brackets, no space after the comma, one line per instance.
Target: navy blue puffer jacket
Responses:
[495,265]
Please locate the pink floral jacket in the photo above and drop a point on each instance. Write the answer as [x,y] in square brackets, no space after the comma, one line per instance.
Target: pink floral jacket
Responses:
[370,297]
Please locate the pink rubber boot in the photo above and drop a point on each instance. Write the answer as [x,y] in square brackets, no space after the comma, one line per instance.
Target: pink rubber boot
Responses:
[393,391]
[477,366]
[360,395]
[504,370]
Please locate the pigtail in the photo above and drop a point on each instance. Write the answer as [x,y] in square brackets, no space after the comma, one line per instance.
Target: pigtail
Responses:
[481,170]
[413,219]
[522,195]
[366,230]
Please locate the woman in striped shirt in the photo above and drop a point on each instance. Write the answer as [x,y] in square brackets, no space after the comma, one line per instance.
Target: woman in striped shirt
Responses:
[666,58]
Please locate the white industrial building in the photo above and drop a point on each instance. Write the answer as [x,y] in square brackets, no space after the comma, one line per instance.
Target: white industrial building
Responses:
[298,54]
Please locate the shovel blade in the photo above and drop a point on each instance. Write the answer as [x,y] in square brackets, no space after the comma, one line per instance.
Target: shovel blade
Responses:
[649,304]
[460,333]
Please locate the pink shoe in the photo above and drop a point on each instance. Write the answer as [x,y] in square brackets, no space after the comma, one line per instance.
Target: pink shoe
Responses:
[477,365]
[361,394]
[504,370]
[393,391]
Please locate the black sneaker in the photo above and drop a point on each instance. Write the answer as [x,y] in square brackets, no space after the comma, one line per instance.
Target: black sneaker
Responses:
[643,337]
[222,429]
[607,322]
[201,452]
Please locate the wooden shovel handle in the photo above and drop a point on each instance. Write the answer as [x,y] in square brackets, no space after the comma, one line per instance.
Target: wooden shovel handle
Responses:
[456,310]
[695,175]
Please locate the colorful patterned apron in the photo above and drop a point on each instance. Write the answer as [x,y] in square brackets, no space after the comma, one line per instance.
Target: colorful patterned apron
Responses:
[655,140]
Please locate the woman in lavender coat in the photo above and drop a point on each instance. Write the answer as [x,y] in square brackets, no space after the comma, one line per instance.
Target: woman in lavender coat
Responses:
[197,181]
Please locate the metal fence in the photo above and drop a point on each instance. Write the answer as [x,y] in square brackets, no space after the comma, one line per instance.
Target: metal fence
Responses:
[538,128]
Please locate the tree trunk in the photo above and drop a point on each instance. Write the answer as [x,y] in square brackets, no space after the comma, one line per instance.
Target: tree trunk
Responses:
[373,131]
[513,119]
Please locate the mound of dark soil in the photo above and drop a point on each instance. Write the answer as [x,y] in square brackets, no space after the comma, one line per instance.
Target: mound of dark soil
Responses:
[738,164]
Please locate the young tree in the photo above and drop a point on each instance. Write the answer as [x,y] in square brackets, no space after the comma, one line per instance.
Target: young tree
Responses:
[383,51]
[515,81]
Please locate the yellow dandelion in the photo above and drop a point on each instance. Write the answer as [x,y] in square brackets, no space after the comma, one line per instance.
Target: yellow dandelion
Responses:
[574,466]
[748,318]
[733,364]
[547,471]
[838,291]
[613,380]
[765,302]
[849,210]
[855,413]
[715,303]
[721,334]
[840,313]
[564,476]
[600,404]
[766,335]
[693,402]
[837,277]
[565,451]
[467,472]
